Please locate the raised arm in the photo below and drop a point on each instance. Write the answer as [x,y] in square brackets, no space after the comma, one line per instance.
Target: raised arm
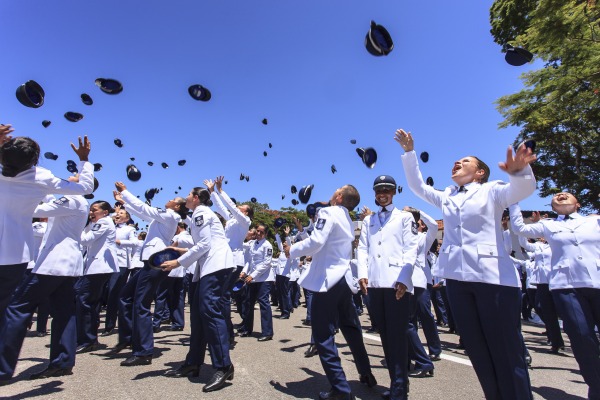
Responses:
[535,230]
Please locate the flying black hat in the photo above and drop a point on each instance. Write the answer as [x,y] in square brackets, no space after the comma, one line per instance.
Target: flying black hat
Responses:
[517,56]
[72,168]
[242,177]
[247,178]
[270,145]
[378,40]
[293,189]
[282,196]
[264,121]
[384,181]
[160,257]
[71,162]
[353,141]
[304,194]
[46,123]
[86,99]
[429,181]
[425,156]
[150,163]
[73,116]
[199,92]
[149,195]
[132,158]
[399,189]
[264,153]
[253,199]
[31,94]
[109,86]
[118,142]
[368,155]
[97,167]
[333,169]
[295,202]
[165,165]
[181,163]
[133,174]
[279,222]
[50,156]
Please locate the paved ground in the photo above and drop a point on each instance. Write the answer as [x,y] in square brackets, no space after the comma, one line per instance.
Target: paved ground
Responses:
[276,370]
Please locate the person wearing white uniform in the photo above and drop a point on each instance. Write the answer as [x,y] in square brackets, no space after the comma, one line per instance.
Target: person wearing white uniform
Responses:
[22,187]
[214,264]
[481,282]
[330,278]
[135,318]
[52,280]
[43,310]
[100,261]
[387,254]
[574,278]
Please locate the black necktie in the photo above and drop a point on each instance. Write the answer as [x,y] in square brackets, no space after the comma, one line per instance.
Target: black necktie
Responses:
[566,217]
[383,209]
[462,189]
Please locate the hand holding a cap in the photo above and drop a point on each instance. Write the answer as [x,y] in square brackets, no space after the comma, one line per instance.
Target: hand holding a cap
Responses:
[169,265]
[405,139]
[5,131]
[83,151]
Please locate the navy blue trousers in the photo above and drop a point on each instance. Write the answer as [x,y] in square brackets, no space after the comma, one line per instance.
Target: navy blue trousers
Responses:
[391,316]
[225,302]
[488,317]
[285,295]
[169,302]
[439,306]
[259,292]
[207,322]
[308,295]
[295,294]
[88,293]
[451,322]
[416,351]
[135,317]
[545,304]
[60,292]
[580,311]
[115,285]
[328,309]
[10,277]
[428,324]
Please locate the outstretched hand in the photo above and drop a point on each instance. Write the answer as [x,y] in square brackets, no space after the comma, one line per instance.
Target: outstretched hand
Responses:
[83,151]
[210,185]
[219,182]
[5,131]
[515,163]
[405,139]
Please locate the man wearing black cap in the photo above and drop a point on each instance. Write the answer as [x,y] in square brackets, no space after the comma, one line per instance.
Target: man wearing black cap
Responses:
[387,253]
[330,278]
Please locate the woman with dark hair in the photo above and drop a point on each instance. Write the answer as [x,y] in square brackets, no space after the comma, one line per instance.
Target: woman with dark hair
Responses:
[574,277]
[214,265]
[22,187]
[135,317]
[100,262]
[52,281]
[482,283]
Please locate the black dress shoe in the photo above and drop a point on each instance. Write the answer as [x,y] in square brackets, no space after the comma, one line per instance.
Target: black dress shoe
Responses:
[306,322]
[117,349]
[238,326]
[368,379]
[435,357]
[184,371]
[421,373]
[86,348]
[232,343]
[284,317]
[108,332]
[555,349]
[137,360]
[386,395]
[4,382]
[244,334]
[156,329]
[51,372]
[335,395]
[265,338]
[312,351]
[174,329]
[218,379]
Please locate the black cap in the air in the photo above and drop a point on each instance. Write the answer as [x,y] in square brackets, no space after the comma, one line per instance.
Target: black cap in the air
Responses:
[73,116]
[293,189]
[253,199]
[46,123]
[399,189]
[282,196]
[72,168]
[50,156]
[149,195]
[133,173]
[517,56]
[118,142]
[264,153]
[429,181]
[247,178]
[353,141]
[31,94]
[333,169]
[425,156]
[384,181]
[109,86]
[181,163]
[89,196]
[150,163]
[295,202]
[97,167]
[165,165]
[132,158]
[378,40]
[368,155]
[264,121]
[270,145]
[279,222]
[304,194]
[242,177]
[71,162]
[86,99]
[199,92]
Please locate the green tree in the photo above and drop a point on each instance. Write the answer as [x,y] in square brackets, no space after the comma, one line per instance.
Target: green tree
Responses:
[559,107]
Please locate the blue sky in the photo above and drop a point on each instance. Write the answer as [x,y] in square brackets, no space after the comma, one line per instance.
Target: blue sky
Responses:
[300,64]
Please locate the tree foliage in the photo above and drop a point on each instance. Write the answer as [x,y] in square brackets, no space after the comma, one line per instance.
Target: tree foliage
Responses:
[559,107]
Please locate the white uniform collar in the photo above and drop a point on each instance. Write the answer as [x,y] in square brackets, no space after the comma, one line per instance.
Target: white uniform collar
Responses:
[388,208]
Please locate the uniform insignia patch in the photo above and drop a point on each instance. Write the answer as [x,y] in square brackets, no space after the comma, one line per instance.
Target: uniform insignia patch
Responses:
[320,223]
[96,227]
[61,201]
[414,228]
[160,210]
[199,220]
[269,252]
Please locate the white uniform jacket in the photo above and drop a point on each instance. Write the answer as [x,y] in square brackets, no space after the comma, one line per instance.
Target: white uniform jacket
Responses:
[473,248]
[236,227]
[126,236]
[211,251]
[136,254]
[422,273]
[39,229]
[162,228]
[542,257]
[20,195]
[575,245]
[330,246]
[387,254]
[60,254]
[185,241]
[98,238]
[260,254]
